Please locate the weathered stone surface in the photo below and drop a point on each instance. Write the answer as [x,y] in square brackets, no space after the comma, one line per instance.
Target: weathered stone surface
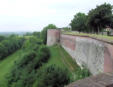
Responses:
[87,52]
[108,58]
[101,80]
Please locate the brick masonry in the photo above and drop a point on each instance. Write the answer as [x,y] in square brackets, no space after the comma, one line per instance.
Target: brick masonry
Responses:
[53,36]
[86,51]
[95,54]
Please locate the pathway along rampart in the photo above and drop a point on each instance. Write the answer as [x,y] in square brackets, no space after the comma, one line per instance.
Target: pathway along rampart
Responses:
[92,53]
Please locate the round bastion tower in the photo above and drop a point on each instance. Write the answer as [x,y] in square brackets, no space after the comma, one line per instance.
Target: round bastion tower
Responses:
[53,37]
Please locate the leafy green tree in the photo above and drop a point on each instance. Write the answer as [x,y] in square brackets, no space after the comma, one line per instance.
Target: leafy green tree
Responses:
[66,28]
[79,22]
[44,32]
[10,45]
[100,17]
[2,38]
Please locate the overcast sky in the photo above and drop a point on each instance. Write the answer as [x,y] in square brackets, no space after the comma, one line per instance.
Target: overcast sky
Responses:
[33,15]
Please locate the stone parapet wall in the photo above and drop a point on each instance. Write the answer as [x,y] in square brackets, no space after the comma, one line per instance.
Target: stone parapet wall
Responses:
[100,80]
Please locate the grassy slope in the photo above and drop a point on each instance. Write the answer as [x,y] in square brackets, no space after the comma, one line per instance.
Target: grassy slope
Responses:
[62,59]
[59,57]
[6,65]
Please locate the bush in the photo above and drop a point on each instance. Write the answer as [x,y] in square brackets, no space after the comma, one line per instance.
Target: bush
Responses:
[44,53]
[24,72]
[10,45]
[82,73]
[43,56]
[53,76]
[2,38]
[32,43]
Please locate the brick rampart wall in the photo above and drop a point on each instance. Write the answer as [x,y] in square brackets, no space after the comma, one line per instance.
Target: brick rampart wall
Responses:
[95,54]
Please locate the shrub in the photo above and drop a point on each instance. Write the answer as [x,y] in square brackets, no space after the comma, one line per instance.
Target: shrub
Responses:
[24,72]
[43,53]
[32,43]
[53,76]
[10,45]
[82,73]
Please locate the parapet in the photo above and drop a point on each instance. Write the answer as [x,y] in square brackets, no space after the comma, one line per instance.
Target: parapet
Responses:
[100,80]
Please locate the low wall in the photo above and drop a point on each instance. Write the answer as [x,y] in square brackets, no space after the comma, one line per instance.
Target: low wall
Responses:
[100,80]
[96,55]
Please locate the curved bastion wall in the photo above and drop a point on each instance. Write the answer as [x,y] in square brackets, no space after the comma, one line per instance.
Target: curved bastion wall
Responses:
[53,37]
[94,54]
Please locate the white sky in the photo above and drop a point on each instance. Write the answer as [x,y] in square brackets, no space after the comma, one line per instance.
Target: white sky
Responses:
[33,15]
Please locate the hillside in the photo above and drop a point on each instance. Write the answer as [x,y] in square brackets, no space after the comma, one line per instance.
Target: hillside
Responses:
[62,59]
[7,64]
[58,57]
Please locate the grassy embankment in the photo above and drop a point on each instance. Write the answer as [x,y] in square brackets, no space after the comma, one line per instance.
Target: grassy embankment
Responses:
[62,59]
[7,64]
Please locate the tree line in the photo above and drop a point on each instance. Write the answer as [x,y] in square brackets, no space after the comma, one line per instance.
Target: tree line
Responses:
[95,21]
[10,44]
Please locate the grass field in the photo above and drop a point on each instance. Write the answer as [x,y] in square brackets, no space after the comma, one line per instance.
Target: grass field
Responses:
[62,59]
[6,66]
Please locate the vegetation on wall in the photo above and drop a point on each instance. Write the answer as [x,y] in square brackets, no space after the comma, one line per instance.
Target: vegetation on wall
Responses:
[81,73]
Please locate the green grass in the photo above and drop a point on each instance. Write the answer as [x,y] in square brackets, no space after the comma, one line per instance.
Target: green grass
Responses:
[98,36]
[62,59]
[6,66]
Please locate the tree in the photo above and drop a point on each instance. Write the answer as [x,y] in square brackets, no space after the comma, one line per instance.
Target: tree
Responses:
[79,22]
[66,28]
[37,34]
[100,17]
[44,32]
[2,38]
